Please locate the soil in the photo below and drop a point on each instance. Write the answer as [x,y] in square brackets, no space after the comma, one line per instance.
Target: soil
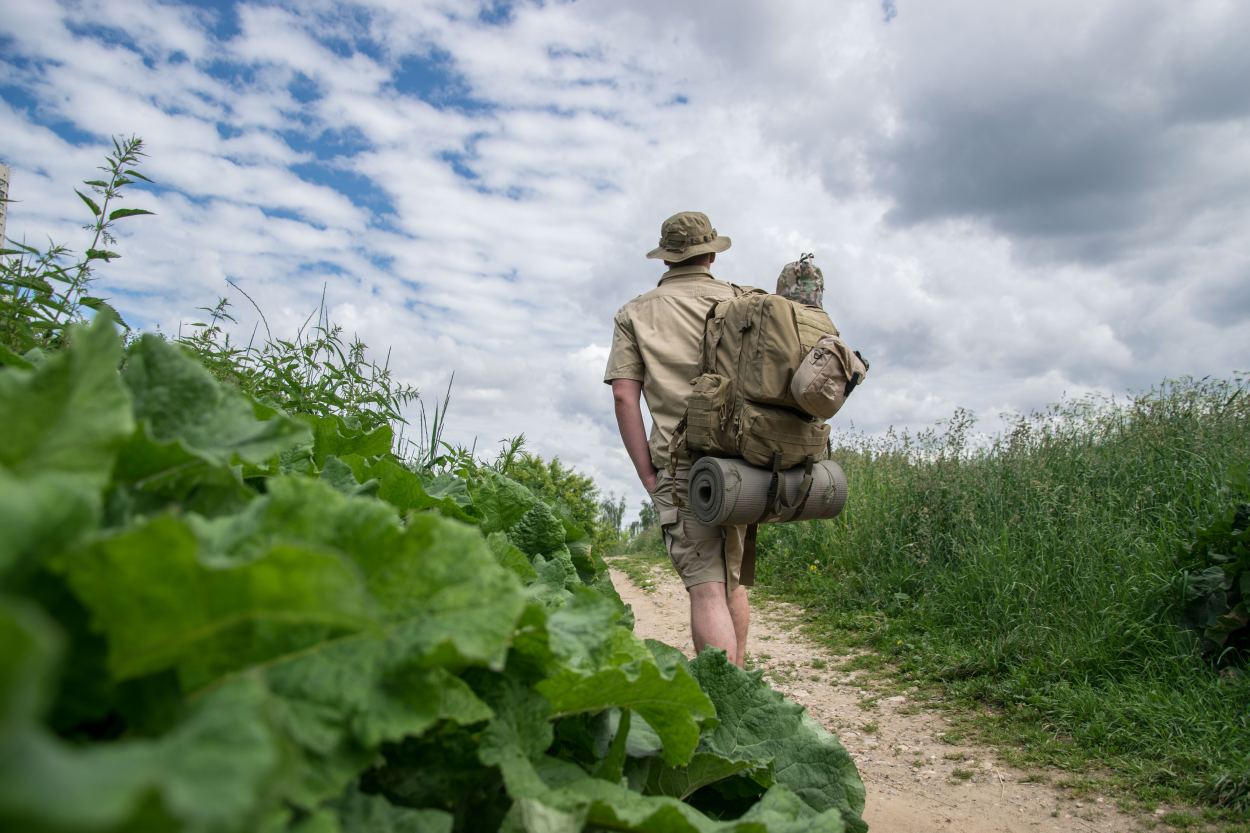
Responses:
[916,779]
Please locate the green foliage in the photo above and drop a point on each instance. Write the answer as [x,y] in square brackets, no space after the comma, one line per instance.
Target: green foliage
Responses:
[575,494]
[219,615]
[318,372]
[43,291]
[1036,571]
[1215,587]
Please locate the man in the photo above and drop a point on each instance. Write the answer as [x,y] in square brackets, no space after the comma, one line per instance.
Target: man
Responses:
[656,347]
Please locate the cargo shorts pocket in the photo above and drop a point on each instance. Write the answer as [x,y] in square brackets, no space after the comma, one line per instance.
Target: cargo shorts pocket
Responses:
[668,521]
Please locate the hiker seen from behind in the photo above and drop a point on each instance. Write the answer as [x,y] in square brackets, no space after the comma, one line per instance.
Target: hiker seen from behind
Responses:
[657,344]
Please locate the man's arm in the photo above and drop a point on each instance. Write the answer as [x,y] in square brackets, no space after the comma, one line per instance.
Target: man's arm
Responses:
[626,396]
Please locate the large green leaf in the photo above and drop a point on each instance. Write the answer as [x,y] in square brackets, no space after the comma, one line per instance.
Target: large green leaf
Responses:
[162,605]
[43,512]
[581,632]
[672,703]
[336,436]
[435,582]
[209,773]
[704,768]
[151,474]
[458,604]
[500,500]
[71,413]
[757,724]
[369,691]
[300,565]
[554,796]
[407,490]
[537,531]
[180,400]
[29,645]
[301,511]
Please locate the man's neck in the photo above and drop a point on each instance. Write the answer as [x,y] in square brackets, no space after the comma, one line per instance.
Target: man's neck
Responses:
[701,269]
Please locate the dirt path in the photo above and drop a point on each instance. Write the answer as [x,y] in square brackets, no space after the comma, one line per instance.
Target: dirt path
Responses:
[916,781]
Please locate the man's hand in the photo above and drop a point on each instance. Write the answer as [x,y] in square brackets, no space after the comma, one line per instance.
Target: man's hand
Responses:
[627,396]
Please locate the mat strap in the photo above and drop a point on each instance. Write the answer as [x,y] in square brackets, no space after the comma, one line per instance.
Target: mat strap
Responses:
[800,497]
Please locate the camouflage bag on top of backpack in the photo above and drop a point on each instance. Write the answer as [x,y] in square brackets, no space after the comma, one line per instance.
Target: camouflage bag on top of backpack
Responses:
[802,282]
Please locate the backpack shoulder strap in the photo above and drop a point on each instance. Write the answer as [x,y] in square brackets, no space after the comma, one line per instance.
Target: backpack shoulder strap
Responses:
[741,289]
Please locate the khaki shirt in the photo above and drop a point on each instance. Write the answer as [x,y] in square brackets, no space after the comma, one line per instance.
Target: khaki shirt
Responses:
[658,340]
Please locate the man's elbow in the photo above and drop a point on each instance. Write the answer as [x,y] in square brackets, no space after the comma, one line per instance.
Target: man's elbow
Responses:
[626,392]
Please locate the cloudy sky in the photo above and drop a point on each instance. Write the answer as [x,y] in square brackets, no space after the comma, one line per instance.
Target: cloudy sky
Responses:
[1011,202]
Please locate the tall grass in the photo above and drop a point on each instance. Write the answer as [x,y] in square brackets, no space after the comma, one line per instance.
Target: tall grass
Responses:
[1037,572]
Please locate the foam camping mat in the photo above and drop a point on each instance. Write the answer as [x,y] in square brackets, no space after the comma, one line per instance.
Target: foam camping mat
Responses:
[726,492]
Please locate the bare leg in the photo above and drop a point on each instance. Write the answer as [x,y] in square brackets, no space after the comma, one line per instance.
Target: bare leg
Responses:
[711,623]
[740,612]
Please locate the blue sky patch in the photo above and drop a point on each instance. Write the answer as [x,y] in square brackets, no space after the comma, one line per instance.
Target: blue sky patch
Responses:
[232,73]
[220,17]
[19,98]
[498,13]
[433,78]
[360,189]
[457,162]
[109,35]
[303,89]
[327,144]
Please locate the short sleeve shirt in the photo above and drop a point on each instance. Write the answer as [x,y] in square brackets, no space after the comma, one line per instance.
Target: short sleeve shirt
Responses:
[657,339]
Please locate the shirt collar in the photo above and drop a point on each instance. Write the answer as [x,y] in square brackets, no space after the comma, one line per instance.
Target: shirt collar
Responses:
[698,271]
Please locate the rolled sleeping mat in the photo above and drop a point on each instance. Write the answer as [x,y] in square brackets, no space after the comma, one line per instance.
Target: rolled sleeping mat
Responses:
[727,492]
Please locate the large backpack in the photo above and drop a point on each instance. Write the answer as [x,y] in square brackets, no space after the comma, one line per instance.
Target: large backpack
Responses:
[742,404]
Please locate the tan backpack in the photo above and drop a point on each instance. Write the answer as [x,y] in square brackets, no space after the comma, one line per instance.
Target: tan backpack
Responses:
[742,404]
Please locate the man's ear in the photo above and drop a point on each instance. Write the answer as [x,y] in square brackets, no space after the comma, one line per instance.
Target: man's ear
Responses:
[713,259]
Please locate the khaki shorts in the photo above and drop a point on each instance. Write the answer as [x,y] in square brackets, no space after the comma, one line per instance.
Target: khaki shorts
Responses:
[700,553]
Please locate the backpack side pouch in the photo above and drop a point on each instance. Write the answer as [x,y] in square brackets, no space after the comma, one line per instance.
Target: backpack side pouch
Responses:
[709,415]
[827,376]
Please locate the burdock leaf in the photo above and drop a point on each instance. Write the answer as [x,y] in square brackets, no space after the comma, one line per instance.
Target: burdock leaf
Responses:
[758,723]
[674,706]
[180,400]
[71,413]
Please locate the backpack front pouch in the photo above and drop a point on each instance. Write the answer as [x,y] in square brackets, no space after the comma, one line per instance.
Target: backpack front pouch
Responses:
[765,430]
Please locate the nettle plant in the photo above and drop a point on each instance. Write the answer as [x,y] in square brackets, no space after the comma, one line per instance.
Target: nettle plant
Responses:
[318,372]
[43,291]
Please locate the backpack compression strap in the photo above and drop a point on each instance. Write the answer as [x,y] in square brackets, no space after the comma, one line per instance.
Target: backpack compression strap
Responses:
[679,433]
[775,502]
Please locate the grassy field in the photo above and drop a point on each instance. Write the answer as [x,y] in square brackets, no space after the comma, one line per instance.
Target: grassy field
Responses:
[1037,572]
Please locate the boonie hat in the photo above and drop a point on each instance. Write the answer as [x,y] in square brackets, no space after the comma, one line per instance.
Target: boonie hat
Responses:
[685,235]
